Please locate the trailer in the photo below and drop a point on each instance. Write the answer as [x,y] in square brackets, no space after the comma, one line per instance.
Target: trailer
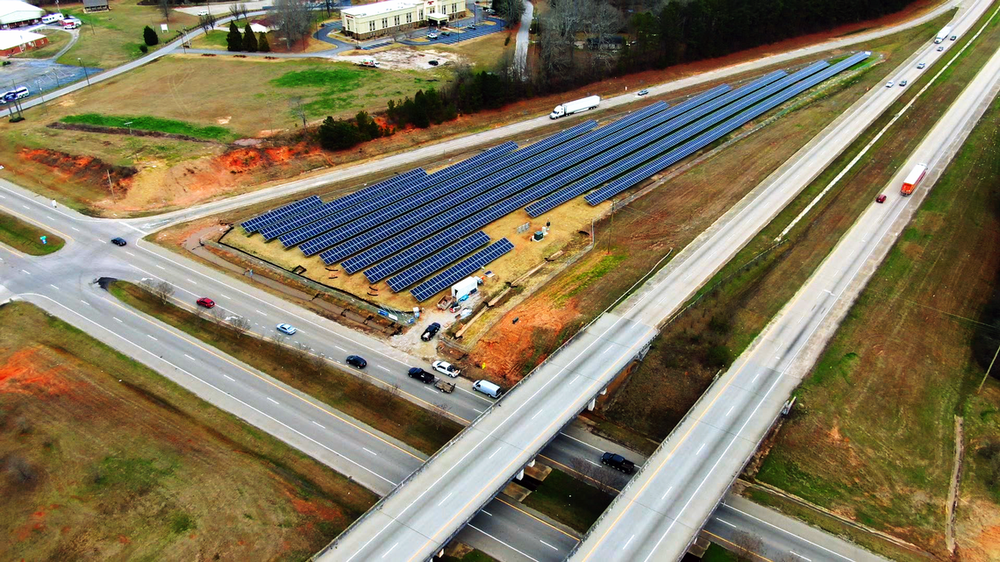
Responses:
[576,106]
[913,179]
[943,34]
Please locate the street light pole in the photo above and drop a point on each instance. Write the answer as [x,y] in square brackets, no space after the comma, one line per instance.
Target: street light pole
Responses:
[85,73]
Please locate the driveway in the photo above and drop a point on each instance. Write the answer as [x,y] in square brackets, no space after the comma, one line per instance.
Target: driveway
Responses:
[521,48]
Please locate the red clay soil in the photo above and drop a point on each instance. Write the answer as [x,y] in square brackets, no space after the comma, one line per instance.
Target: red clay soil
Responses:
[81,168]
[21,375]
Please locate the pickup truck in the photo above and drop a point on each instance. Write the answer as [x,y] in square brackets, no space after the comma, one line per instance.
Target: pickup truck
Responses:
[618,462]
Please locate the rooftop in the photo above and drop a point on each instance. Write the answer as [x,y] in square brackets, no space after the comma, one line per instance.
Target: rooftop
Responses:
[10,38]
[379,8]
[14,11]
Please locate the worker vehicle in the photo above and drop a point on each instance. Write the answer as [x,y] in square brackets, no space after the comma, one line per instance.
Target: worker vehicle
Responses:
[575,106]
[421,375]
[430,332]
[618,463]
[446,368]
[356,361]
[445,387]
[206,302]
[943,34]
[913,179]
[287,329]
[487,388]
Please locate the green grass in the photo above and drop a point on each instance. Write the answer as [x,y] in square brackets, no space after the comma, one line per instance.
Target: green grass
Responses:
[57,40]
[214,39]
[568,500]
[26,237]
[147,123]
[716,553]
[362,400]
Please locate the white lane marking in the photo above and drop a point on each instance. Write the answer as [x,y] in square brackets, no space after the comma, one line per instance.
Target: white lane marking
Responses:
[53,286]
[190,281]
[340,348]
[390,550]
[503,543]
[151,337]
[667,492]
[85,302]
[189,357]
[494,453]
[755,377]
[117,319]
[26,272]
[788,532]
[730,411]
[792,552]
[160,266]
[370,451]
[724,522]
[272,399]
[568,436]
[129,253]
[319,424]
[259,312]
[536,414]
[26,207]
[606,349]
[429,389]
[478,410]
[50,217]
[486,512]
[574,379]
[700,449]
[230,378]
[592,462]
[75,228]
[225,296]
[628,541]
[383,368]
[548,545]
[445,499]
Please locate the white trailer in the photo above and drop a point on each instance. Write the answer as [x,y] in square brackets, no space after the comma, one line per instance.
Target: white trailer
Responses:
[571,107]
[943,34]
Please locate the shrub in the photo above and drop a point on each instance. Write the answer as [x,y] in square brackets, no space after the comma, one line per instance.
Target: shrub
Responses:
[143,48]
[150,37]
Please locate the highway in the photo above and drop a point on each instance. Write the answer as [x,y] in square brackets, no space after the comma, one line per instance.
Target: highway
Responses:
[677,490]
[432,505]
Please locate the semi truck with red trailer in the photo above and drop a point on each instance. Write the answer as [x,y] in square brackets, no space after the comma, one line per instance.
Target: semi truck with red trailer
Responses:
[913,179]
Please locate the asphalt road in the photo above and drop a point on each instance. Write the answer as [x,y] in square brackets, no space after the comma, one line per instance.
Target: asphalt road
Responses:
[523,40]
[432,505]
[669,501]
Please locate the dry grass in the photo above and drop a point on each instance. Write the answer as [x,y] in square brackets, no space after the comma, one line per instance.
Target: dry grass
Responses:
[103,458]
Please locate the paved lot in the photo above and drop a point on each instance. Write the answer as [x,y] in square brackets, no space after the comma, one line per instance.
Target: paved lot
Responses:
[40,75]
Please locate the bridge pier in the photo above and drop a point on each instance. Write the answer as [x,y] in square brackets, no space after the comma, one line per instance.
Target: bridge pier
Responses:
[592,404]
[520,475]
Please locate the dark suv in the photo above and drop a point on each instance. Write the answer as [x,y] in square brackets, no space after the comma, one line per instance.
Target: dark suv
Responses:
[421,375]
[618,462]
[357,361]
[430,332]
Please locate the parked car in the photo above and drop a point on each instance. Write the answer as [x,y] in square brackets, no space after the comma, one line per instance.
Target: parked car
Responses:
[286,329]
[487,388]
[432,62]
[446,368]
[922,65]
[903,83]
[430,332]
[357,361]
[119,241]
[71,24]
[421,375]
[206,302]
[889,84]
[618,462]
[880,199]
[432,36]
[641,93]
[473,26]
[446,33]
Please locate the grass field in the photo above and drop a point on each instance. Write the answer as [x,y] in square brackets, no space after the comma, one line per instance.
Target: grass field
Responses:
[57,40]
[112,38]
[873,438]
[105,459]
[568,500]
[380,409]
[214,39]
[220,134]
[26,237]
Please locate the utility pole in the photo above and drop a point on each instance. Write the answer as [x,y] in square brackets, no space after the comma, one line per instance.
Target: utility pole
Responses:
[110,184]
[988,370]
[611,229]
[85,73]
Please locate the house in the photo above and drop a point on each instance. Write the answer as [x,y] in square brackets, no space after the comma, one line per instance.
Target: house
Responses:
[95,6]
[13,42]
[14,13]
[390,16]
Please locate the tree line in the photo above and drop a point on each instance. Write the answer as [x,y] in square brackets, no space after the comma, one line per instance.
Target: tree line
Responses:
[247,41]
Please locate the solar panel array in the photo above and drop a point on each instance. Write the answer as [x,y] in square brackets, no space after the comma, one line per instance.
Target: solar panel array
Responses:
[386,200]
[438,261]
[375,192]
[439,282]
[253,225]
[638,175]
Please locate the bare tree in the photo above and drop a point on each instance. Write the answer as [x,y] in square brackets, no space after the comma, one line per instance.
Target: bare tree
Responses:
[747,547]
[601,477]
[293,19]
[218,315]
[244,11]
[240,324]
[234,11]
[165,8]
[159,289]
[206,22]
[298,108]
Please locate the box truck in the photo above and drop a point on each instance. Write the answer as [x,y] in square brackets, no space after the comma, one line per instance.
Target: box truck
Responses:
[913,179]
[943,34]
[571,107]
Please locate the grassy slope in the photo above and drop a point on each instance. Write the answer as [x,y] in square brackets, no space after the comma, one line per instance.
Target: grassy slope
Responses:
[361,400]
[568,500]
[103,458]
[874,436]
[25,237]
[143,123]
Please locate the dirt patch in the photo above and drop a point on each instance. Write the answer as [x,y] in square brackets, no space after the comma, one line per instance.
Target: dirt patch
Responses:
[408,59]
[22,374]
[81,168]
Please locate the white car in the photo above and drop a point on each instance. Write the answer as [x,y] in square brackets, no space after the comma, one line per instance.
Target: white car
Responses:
[889,84]
[446,369]
[922,65]
[286,329]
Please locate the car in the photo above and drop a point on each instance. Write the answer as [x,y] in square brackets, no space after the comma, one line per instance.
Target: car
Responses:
[889,84]
[206,302]
[432,36]
[922,65]
[880,198]
[618,463]
[446,33]
[903,83]
[473,26]
[641,93]
[286,329]
[446,368]
[356,361]
[202,12]
[118,241]
[71,24]
[941,48]
[421,375]
[432,62]
[430,332]
[953,37]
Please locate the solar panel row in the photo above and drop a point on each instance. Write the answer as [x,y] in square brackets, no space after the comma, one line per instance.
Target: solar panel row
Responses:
[636,176]
[438,261]
[440,214]
[478,179]
[253,225]
[439,282]
[375,192]
[483,218]
[755,94]
[316,227]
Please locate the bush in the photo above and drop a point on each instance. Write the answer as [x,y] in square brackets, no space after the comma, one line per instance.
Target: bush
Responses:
[150,37]
[340,134]
[718,356]
[143,48]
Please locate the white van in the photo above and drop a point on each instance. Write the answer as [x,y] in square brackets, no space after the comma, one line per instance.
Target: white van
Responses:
[487,388]
[52,18]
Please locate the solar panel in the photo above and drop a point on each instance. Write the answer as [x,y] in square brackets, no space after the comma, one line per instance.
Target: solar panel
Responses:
[252,225]
[477,160]
[462,269]
[446,256]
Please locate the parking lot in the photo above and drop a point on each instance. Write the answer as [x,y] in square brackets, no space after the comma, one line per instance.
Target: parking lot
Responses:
[40,76]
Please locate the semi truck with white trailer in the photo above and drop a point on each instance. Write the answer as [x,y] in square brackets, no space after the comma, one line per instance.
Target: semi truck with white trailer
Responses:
[576,106]
[943,34]
[911,181]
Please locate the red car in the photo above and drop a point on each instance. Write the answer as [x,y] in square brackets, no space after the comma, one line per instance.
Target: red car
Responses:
[206,302]
[880,199]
